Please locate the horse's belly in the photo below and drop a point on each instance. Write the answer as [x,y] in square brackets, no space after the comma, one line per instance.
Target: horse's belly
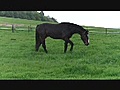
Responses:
[56,37]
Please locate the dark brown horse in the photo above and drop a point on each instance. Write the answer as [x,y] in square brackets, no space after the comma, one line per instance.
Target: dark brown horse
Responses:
[62,31]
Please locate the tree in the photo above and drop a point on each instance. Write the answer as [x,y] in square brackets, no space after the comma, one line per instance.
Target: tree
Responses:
[42,13]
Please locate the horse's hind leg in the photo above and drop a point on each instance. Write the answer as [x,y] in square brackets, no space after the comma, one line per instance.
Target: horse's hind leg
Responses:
[66,44]
[65,47]
[44,46]
[38,43]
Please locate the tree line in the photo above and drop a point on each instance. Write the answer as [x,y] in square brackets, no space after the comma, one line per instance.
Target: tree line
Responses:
[30,15]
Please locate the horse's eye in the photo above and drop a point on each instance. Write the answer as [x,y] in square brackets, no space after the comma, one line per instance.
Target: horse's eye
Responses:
[88,35]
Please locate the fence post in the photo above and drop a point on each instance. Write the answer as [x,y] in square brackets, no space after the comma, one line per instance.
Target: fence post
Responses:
[13,28]
[106,30]
[29,28]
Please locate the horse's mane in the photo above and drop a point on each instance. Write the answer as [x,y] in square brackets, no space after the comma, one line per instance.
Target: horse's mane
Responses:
[68,23]
[72,24]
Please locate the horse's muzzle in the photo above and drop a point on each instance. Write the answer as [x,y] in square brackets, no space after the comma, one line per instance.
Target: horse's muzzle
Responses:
[86,44]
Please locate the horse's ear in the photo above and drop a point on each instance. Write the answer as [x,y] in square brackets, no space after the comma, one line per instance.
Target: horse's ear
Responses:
[87,31]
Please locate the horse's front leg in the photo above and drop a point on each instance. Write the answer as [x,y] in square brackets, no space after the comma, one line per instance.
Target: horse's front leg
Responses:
[66,45]
[71,43]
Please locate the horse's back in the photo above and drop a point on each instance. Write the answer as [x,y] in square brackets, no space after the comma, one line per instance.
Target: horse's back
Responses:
[53,30]
[52,27]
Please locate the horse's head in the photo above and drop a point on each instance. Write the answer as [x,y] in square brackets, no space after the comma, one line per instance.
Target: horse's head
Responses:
[85,37]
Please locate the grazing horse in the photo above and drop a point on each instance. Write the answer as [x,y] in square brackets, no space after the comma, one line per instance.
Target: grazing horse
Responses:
[62,31]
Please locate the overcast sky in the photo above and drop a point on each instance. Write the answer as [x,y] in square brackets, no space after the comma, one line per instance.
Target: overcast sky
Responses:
[108,19]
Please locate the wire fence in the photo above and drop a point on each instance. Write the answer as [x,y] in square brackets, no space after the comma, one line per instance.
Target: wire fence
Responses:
[101,30]
[14,28]
[96,30]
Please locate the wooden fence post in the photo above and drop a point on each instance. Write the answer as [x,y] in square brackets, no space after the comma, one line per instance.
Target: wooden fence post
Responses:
[13,28]
[29,28]
[106,30]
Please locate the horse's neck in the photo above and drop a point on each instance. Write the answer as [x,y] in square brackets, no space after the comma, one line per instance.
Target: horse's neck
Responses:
[78,31]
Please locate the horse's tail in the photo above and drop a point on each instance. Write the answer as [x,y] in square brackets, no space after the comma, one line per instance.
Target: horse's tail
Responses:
[37,35]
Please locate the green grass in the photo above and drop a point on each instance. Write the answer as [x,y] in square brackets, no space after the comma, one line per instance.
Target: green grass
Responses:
[25,22]
[20,24]
[18,59]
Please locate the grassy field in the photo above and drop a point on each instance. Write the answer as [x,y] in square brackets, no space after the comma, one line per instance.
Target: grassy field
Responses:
[19,61]
[22,24]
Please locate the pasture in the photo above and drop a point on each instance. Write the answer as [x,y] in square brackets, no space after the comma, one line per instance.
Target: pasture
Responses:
[18,59]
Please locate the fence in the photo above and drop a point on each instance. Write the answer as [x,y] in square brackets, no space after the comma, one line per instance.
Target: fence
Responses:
[20,27]
[14,27]
[101,30]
